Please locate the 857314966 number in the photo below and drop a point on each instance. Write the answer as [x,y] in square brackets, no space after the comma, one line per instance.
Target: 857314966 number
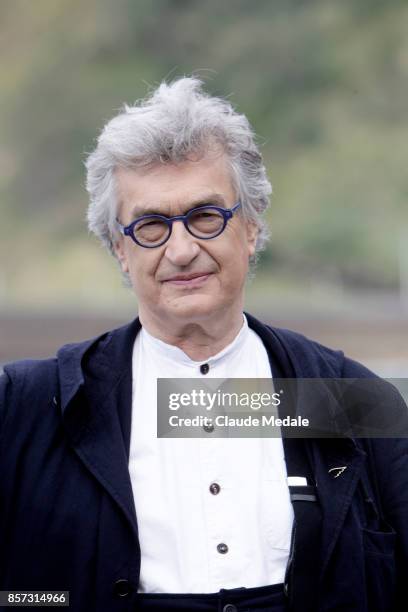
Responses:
[34,598]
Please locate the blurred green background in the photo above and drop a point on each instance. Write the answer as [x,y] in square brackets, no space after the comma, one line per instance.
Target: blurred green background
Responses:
[325,86]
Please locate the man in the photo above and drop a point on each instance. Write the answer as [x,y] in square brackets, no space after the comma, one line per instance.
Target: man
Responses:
[94,503]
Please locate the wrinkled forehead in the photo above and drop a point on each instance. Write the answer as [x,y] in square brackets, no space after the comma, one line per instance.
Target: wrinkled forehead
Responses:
[173,188]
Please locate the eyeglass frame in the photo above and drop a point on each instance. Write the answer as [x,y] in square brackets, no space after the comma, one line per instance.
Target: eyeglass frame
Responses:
[227,214]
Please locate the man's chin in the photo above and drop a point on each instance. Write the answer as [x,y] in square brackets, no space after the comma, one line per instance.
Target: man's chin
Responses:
[193,308]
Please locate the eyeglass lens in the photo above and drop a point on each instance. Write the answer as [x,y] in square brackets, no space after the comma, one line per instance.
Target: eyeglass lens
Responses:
[202,223]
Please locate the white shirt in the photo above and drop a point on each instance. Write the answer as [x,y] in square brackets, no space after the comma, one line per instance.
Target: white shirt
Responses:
[180,520]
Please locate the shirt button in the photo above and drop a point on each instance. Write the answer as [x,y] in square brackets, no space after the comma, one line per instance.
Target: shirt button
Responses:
[215,488]
[222,548]
[230,608]
[204,368]
[209,427]
[122,587]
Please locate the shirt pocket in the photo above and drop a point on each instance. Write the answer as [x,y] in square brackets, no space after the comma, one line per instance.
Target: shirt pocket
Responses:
[276,512]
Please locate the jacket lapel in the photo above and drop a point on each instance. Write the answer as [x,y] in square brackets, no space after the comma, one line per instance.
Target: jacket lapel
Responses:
[96,404]
[335,464]
[338,464]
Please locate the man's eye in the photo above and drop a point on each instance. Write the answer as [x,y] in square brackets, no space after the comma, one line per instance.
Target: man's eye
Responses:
[205,214]
[150,223]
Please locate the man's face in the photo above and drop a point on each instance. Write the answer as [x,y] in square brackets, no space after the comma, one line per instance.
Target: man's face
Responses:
[185,280]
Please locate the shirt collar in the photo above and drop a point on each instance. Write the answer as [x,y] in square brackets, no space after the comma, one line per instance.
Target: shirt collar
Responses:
[162,350]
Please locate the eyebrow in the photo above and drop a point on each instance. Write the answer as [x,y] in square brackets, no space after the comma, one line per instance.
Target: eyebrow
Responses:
[215,198]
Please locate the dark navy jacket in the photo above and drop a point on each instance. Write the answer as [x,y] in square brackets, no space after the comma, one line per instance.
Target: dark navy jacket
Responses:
[67,513]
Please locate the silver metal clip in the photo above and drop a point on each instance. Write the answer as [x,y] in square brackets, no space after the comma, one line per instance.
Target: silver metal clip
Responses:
[339,470]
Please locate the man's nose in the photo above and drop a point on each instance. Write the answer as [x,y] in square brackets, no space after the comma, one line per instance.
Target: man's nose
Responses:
[181,247]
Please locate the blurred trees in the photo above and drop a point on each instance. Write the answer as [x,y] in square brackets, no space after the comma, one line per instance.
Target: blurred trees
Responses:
[323,82]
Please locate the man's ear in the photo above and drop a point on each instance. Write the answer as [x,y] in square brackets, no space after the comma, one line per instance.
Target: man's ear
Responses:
[119,250]
[252,235]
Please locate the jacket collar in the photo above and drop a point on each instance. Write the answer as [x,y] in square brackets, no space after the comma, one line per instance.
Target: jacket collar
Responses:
[104,357]
[100,364]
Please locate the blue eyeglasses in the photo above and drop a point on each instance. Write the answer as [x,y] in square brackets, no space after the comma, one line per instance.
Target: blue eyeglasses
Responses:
[204,222]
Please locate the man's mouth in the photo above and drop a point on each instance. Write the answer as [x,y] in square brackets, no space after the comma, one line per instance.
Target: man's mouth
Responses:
[189,280]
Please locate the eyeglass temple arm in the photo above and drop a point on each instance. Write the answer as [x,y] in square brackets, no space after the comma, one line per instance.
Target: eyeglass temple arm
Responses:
[122,228]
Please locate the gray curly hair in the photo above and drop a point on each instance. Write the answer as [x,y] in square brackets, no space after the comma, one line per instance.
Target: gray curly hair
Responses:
[175,121]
